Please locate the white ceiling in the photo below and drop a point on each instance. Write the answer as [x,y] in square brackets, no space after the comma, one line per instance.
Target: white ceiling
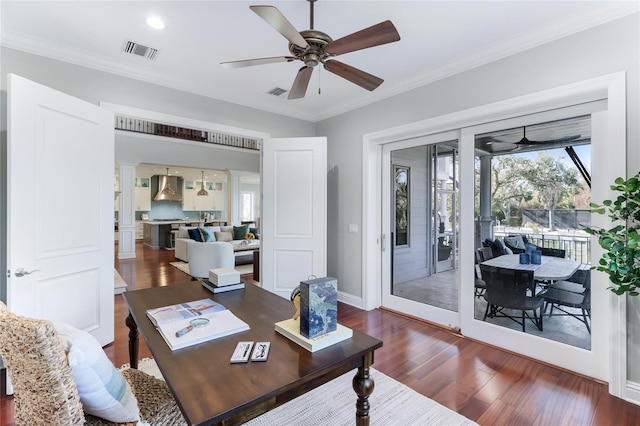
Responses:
[437,39]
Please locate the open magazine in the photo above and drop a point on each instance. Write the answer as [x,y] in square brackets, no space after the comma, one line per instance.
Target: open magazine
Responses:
[181,311]
[187,324]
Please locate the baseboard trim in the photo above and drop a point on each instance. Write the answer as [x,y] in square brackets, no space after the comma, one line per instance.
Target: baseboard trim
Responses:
[351,300]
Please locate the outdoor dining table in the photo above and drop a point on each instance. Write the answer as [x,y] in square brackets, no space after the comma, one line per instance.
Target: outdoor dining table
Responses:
[550,268]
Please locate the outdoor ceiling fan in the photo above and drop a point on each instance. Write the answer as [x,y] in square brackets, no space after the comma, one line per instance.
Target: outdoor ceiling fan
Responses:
[314,47]
[527,142]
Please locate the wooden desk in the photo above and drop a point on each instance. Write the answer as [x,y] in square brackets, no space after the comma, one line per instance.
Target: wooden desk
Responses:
[551,268]
[208,389]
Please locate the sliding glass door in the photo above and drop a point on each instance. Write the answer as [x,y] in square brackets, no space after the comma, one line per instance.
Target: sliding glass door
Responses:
[421,199]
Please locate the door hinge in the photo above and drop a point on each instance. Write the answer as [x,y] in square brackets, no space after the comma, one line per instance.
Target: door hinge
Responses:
[382,242]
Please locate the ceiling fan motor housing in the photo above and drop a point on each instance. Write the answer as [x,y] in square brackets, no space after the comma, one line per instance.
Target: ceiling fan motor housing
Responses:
[314,53]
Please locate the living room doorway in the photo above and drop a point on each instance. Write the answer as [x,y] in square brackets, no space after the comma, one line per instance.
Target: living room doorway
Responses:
[422,201]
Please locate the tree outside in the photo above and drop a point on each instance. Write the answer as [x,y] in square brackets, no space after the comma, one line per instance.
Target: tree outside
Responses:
[543,182]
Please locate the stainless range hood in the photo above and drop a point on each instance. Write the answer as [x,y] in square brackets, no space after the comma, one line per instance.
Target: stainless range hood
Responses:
[174,182]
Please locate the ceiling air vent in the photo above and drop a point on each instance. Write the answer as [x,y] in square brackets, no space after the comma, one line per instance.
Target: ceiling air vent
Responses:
[277,91]
[140,50]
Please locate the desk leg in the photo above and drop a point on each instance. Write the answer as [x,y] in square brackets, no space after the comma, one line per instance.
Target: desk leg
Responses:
[133,341]
[363,385]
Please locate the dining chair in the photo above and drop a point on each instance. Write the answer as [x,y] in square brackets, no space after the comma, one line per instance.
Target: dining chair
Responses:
[479,284]
[511,290]
[484,254]
[565,300]
[577,283]
[553,252]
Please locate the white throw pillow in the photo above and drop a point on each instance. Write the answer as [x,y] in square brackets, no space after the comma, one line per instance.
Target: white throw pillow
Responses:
[103,390]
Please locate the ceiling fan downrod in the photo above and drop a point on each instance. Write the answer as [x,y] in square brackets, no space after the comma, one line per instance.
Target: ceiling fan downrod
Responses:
[311,2]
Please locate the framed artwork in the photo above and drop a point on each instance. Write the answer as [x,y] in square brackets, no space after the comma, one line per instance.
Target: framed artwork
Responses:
[188,184]
[209,186]
[144,182]
[218,186]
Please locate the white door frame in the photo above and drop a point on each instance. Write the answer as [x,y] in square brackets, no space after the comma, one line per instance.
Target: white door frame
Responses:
[611,87]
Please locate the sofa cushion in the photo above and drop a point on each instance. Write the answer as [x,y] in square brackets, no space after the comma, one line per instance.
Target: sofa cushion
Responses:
[223,236]
[208,234]
[103,390]
[183,231]
[239,232]
[196,234]
[514,241]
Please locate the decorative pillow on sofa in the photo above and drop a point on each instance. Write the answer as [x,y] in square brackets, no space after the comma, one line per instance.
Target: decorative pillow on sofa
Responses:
[196,234]
[223,236]
[103,390]
[208,235]
[239,232]
[515,241]
[183,231]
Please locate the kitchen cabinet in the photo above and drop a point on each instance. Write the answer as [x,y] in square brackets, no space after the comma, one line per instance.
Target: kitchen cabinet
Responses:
[193,202]
[139,230]
[143,194]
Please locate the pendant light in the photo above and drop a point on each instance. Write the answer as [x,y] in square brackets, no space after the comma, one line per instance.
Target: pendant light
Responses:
[167,190]
[203,192]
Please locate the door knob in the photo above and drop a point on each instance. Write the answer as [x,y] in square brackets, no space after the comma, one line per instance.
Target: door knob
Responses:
[20,272]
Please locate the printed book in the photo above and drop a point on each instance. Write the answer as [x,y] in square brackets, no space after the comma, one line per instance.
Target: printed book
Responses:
[291,329]
[187,324]
[215,289]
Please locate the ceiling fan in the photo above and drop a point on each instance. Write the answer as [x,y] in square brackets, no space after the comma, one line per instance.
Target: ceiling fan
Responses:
[314,47]
[527,142]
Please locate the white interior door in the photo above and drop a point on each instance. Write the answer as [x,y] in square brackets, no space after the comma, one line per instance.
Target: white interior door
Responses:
[60,208]
[294,212]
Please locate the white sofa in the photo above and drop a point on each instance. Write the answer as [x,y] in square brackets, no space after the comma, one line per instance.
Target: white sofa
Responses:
[205,256]
[182,246]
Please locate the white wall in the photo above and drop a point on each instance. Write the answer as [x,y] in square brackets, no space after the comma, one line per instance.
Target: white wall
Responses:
[602,50]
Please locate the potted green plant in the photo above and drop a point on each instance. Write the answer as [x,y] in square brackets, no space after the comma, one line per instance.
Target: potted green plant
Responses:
[621,259]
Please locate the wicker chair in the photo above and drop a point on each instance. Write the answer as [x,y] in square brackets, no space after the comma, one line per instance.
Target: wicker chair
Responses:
[45,392]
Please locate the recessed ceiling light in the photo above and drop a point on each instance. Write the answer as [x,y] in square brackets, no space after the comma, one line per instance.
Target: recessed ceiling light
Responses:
[155,22]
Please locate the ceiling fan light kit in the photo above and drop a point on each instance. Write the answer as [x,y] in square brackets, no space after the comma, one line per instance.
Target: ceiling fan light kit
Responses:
[313,47]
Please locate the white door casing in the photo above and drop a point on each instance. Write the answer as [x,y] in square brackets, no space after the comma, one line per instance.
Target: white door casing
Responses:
[294,212]
[60,208]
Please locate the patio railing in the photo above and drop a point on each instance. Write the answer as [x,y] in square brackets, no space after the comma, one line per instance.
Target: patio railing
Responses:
[577,244]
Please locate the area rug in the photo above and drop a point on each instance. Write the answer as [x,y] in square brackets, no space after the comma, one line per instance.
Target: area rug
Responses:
[333,403]
[243,269]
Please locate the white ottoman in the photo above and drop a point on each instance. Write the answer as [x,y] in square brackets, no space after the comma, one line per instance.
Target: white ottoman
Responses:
[224,276]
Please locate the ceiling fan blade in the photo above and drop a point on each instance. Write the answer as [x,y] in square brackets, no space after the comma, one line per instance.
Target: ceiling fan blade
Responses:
[300,84]
[376,35]
[257,61]
[525,141]
[276,19]
[354,75]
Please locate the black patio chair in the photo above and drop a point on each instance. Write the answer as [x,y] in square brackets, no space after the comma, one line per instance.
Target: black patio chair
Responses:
[479,285]
[577,283]
[484,253]
[548,251]
[511,290]
[564,300]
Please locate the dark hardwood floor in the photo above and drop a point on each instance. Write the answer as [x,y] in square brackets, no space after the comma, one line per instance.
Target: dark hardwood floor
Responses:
[485,384]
